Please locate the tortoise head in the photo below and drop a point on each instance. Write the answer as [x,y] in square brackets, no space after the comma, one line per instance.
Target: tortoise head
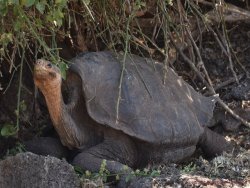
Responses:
[46,75]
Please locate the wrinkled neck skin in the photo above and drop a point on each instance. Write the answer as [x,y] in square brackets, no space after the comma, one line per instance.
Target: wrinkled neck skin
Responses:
[55,103]
[70,134]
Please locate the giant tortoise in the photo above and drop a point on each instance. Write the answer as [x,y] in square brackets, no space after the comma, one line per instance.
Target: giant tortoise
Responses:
[130,112]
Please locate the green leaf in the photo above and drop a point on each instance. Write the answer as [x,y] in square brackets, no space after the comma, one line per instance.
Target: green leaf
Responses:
[63,68]
[129,177]
[8,130]
[17,25]
[15,2]
[3,10]
[28,3]
[58,17]
[117,177]
[23,106]
[78,170]
[6,38]
[40,7]
[87,173]
[155,173]
[18,148]
[58,1]
[61,3]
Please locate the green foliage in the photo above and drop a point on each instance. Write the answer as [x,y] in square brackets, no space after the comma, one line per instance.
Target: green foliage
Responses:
[19,148]
[22,108]
[40,23]
[146,172]
[35,26]
[191,167]
[8,130]
[63,68]
[78,170]
[104,173]
[26,22]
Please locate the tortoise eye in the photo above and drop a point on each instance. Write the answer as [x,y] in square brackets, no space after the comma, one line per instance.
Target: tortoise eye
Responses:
[49,65]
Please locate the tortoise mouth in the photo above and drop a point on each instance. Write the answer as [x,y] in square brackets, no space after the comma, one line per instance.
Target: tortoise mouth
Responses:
[40,71]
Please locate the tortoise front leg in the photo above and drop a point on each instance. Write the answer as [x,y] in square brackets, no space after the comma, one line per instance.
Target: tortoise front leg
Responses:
[120,155]
[46,146]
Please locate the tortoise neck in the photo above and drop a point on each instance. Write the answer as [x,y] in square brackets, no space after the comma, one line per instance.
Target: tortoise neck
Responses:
[55,104]
[59,115]
[69,132]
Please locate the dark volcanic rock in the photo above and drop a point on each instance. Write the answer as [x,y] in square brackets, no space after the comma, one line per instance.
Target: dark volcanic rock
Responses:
[27,170]
[228,122]
[242,91]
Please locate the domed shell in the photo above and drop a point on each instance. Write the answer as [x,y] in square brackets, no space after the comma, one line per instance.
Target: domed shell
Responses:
[155,105]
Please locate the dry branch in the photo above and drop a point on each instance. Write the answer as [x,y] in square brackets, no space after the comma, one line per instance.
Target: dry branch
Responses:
[209,87]
[231,12]
[225,83]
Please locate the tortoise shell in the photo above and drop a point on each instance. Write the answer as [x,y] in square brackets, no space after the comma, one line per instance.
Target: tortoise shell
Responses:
[155,105]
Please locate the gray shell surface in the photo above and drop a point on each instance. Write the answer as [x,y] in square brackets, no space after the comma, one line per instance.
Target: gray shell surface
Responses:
[172,114]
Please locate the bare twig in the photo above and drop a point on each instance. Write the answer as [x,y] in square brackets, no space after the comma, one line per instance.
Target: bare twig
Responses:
[224,40]
[221,102]
[224,50]
[225,83]
[181,17]
[231,12]
[19,90]
[200,63]
[122,71]
[218,40]
[166,47]
[10,81]
[228,82]
[227,43]
[237,60]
